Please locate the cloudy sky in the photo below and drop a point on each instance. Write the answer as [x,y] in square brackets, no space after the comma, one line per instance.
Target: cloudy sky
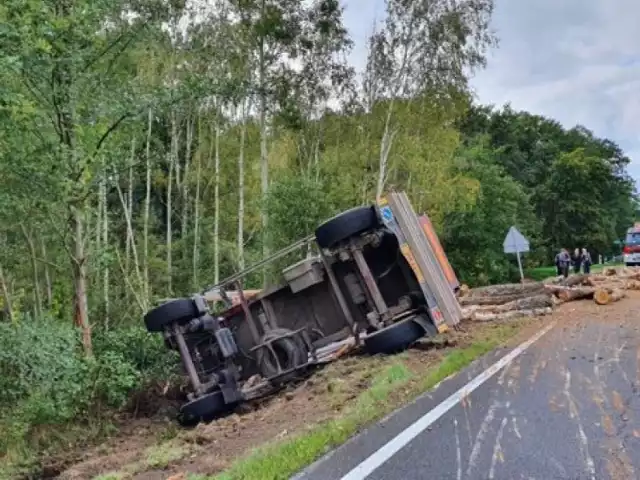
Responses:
[577,61]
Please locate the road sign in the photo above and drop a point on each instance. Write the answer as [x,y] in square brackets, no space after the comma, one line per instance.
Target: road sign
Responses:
[515,242]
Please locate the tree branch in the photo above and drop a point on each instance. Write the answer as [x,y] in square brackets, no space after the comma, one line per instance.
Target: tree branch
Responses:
[110,130]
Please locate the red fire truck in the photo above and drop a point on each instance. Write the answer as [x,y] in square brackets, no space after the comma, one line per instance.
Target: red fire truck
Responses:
[631,250]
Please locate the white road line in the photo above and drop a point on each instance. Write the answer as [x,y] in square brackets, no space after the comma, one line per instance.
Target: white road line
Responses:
[388,450]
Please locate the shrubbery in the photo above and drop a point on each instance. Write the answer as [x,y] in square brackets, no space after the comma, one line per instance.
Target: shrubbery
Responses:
[46,381]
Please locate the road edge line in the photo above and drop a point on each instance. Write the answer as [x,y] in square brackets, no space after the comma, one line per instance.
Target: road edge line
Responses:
[393,446]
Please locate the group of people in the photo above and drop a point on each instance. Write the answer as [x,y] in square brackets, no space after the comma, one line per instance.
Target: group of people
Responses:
[580,260]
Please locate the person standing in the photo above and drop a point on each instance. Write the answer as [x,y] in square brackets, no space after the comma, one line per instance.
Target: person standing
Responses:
[577,261]
[586,261]
[557,262]
[565,262]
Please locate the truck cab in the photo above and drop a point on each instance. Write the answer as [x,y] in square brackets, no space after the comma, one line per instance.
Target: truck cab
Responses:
[631,250]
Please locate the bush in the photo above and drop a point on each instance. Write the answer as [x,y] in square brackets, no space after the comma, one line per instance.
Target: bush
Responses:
[46,380]
[147,353]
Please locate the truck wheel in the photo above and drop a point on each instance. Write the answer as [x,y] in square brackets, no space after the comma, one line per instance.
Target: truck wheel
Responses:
[203,409]
[291,353]
[394,338]
[181,311]
[346,225]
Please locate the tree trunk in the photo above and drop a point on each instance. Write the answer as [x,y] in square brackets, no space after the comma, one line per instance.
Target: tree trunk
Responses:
[243,135]
[216,216]
[34,270]
[196,216]
[134,248]
[98,239]
[264,160]
[385,149]
[127,206]
[147,208]
[79,268]
[4,288]
[185,179]
[47,276]
[172,160]
[105,243]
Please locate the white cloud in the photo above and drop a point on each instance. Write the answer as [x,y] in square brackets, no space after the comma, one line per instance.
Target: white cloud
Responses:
[575,61]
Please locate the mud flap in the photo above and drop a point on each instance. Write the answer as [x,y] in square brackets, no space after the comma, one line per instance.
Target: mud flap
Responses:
[427,325]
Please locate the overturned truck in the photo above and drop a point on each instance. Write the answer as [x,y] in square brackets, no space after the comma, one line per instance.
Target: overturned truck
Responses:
[379,280]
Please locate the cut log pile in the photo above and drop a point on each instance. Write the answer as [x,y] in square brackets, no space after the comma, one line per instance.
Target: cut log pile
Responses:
[514,300]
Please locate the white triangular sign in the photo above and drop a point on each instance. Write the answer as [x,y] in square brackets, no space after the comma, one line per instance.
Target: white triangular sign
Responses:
[515,242]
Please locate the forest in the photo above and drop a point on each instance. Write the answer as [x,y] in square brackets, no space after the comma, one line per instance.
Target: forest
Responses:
[152,147]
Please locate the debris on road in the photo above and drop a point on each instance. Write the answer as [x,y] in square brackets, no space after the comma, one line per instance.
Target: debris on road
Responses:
[508,301]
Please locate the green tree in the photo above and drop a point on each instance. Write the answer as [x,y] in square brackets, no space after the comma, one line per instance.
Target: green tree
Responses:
[577,202]
[76,89]
[473,237]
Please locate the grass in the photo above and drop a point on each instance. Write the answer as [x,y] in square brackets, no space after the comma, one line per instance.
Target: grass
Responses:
[24,448]
[109,476]
[156,457]
[162,455]
[542,273]
[283,459]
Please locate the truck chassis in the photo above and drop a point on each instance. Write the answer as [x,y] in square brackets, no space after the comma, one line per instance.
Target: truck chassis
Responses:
[378,281]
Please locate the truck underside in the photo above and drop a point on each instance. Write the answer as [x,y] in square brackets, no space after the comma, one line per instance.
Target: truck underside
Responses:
[378,281]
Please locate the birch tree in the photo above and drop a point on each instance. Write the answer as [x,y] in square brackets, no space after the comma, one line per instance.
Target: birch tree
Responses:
[423,47]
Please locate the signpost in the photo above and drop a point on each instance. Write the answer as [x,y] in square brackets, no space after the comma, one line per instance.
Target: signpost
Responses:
[515,242]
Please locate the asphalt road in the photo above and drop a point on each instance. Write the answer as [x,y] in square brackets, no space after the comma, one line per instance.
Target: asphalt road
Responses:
[566,408]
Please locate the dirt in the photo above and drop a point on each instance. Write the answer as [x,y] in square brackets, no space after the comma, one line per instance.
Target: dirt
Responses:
[210,448]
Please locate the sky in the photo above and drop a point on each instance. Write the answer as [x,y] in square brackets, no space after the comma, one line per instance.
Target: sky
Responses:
[576,61]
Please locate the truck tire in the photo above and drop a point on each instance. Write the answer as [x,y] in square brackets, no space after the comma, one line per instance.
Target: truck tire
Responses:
[178,311]
[203,409]
[346,225]
[291,353]
[395,338]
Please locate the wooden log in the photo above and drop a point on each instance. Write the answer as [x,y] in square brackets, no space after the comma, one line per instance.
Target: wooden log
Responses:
[556,289]
[464,290]
[468,312]
[576,293]
[612,284]
[494,299]
[575,280]
[631,276]
[604,296]
[610,272]
[632,285]
[488,316]
[595,280]
[507,289]
[527,303]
